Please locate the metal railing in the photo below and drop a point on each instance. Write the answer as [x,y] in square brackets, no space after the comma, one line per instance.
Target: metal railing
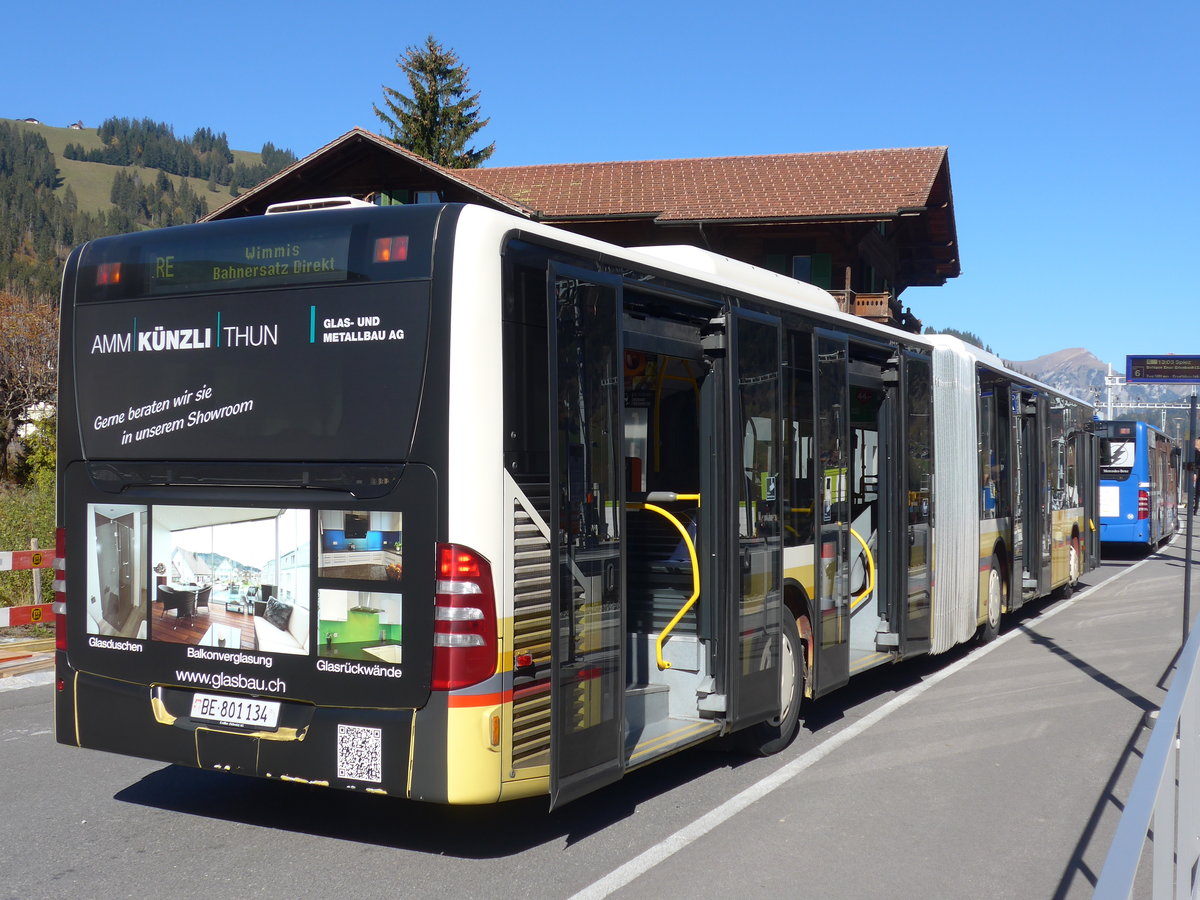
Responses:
[1165,797]
[671,497]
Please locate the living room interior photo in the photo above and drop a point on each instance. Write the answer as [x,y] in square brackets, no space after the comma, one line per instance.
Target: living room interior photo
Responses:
[231,578]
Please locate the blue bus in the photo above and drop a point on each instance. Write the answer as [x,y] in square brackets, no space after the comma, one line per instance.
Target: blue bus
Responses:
[1139,483]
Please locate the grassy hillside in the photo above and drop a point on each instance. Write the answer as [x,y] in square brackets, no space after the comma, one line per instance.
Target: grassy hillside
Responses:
[92,182]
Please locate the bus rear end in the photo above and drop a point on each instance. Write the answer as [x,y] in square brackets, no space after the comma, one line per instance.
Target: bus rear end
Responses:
[251,479]
[1126,493]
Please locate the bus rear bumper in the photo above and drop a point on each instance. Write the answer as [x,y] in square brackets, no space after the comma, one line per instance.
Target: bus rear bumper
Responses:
[353,749]
[1125,532]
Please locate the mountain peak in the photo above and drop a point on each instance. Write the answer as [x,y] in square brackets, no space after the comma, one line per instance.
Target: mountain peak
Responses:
[1080,373]
[1073,358]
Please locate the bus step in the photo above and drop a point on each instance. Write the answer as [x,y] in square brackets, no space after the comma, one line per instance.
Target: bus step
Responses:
[645,704]
[665,737]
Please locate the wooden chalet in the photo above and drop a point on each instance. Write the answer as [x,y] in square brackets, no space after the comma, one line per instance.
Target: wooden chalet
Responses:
[863,224]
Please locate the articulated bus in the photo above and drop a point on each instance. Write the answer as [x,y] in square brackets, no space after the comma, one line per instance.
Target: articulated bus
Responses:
[1139,483]
[439,503]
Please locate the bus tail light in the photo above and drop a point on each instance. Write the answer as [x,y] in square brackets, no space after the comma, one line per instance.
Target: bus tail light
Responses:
[60,589]
[464,627]
[1143,504]
[108,273]
[391,249]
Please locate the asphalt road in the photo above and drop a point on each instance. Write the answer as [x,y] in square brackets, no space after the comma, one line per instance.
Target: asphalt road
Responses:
[987,772]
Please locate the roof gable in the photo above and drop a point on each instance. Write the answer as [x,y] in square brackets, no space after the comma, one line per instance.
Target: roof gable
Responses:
[359,163]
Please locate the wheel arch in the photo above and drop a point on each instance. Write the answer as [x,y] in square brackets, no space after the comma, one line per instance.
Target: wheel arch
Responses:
[796,601]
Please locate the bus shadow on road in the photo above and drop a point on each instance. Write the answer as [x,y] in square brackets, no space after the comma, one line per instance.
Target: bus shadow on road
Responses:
[483,832]
[476,832]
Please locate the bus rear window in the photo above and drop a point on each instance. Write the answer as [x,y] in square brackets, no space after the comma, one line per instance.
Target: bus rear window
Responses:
[1116,457]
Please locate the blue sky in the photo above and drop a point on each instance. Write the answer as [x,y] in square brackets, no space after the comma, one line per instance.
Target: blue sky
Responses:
[1071,126]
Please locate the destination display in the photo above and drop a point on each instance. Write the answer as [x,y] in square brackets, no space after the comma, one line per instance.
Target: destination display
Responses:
[232,263]
[258,253]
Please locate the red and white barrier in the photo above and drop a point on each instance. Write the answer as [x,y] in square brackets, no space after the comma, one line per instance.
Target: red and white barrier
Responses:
[34,614]
[13,560]
[41,614]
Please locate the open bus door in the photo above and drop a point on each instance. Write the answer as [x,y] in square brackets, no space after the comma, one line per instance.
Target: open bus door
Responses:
[1031,441]
[750,520]
[870,539]
[916,631]
[588,558]
[1089,477]
[831,656]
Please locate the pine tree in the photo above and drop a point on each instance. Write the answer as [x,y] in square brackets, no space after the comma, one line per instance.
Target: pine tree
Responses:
[441,115]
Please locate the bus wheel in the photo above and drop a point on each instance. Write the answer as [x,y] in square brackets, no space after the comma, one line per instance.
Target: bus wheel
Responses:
[995,602]
[1074,568]
[775,734]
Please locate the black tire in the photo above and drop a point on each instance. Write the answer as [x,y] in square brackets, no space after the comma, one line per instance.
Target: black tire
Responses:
[775,734]
[991,626]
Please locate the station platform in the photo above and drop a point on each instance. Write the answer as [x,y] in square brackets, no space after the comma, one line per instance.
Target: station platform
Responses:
[1004,779]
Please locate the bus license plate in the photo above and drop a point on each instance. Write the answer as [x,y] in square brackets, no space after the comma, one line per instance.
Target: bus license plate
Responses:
[235,710]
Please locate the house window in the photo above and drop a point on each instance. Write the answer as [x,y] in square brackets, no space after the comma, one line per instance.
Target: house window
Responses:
[815,268]
[403,197]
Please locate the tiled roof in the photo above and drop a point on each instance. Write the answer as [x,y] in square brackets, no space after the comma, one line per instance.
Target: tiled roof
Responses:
[780,187]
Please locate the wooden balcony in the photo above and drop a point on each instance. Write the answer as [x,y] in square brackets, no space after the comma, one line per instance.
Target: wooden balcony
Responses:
[882,308]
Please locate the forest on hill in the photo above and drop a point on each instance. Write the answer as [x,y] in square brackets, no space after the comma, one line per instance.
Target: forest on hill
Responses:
[61,187]
[152,179]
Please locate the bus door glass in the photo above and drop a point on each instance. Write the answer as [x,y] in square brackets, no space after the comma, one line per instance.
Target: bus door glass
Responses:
[1049,496]
[1032,438]
[831,664]
[588,577]
[871,519]
[919,501]
[754,639]
[1089,477]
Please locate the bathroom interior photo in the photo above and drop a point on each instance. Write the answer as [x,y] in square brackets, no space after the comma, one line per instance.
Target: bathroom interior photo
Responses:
[116,589]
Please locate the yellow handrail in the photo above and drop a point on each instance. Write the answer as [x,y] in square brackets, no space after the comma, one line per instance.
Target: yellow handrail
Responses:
[691,547]
[858,601]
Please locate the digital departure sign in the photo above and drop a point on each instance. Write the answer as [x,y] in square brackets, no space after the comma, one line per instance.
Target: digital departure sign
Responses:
[1162,369]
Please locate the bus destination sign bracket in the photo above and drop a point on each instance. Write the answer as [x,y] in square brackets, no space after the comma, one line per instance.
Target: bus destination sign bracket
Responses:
[1162,369]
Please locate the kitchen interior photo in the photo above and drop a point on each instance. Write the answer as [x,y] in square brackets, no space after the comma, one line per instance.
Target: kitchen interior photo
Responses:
[360,625]
[362,545]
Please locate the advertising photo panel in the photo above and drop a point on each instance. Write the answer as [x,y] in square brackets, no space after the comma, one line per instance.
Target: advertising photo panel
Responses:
[233,578]
[359,625]
[361,545]
[116,574]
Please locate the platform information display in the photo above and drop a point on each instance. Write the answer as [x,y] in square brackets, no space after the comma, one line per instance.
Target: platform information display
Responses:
[1162,369]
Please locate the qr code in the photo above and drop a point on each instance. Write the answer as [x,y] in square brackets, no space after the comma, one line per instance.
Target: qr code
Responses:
[360,753]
